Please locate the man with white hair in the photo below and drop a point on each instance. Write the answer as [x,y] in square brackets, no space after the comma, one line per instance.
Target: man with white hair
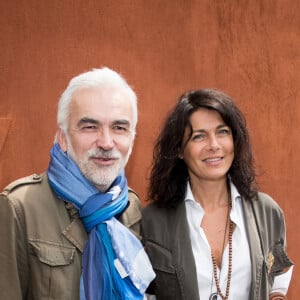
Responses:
[72,232]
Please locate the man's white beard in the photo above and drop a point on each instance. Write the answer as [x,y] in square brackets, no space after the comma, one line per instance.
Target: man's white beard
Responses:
[101,176]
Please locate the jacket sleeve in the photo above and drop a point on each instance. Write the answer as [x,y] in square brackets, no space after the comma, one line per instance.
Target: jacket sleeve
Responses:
[271,225]
[13,251]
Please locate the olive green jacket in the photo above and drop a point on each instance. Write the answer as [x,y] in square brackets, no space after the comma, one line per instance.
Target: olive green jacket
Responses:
[166,238]
[42,241]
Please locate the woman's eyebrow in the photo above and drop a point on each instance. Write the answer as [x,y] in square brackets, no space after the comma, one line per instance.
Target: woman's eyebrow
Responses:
[204,130]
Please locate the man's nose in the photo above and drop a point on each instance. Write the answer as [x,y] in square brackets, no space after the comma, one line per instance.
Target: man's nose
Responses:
[105,139]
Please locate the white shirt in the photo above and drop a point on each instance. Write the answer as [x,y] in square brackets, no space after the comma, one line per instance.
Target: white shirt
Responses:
[241,263]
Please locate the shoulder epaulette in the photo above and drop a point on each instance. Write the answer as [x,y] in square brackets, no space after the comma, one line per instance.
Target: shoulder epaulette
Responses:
[31,179]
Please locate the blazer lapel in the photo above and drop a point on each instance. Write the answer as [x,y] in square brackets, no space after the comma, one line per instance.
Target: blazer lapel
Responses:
[257,257]
[183,256]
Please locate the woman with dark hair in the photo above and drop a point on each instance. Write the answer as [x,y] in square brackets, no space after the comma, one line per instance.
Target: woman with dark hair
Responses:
[209,233]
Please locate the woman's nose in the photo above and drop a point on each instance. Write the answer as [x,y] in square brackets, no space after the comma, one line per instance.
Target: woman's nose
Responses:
[213,143]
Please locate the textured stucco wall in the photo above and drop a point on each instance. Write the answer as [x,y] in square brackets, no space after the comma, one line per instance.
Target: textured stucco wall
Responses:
[248,49]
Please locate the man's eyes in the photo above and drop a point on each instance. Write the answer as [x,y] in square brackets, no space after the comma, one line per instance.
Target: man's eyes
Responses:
[121,129]
[89,127]
[118,129]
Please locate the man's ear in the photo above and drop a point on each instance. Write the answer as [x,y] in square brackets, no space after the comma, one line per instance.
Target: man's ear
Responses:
[62,139]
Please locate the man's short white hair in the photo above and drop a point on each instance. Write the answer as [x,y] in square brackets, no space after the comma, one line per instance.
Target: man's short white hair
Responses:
[103,77]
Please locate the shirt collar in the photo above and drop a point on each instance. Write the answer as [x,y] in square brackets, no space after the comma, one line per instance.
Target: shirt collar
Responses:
[236,213]
[189,195]
[235,195]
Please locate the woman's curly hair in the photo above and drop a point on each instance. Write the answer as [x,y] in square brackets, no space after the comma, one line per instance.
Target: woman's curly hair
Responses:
[169,173]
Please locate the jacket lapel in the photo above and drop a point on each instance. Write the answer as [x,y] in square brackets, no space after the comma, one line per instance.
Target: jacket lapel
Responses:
[255,248]
[183,256]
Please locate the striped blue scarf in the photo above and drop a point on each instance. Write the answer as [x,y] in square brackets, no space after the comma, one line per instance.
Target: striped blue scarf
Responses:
[115,265]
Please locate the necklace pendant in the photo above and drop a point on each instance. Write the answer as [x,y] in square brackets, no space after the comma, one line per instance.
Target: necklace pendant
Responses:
[213,296]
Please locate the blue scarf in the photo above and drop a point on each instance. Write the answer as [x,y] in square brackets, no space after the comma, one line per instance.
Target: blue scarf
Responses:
[115,265]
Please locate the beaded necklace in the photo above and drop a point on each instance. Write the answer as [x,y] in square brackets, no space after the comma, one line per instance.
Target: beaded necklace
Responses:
[214,295]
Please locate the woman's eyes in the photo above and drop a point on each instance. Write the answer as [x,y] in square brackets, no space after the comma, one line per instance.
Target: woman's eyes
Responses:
[224,131]
[219,132]
[198,137]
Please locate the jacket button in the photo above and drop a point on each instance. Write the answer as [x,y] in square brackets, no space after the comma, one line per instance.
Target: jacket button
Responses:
[36,177]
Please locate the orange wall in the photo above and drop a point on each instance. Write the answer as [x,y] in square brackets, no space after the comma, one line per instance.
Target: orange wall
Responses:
[248,49]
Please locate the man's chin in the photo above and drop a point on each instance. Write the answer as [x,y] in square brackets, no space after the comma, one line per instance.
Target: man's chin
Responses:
[102,188]
[102,178]
[104,183]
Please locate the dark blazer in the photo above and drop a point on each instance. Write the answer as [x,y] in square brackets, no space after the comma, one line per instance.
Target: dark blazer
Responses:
[166,238]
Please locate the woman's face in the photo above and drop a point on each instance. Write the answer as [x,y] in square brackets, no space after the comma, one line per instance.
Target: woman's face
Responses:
[209,152]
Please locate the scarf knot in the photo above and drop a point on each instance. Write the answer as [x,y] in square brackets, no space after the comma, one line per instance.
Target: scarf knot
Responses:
[93,212]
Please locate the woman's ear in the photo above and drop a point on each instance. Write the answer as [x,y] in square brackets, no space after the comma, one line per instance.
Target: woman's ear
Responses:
[62,139]
[180,155]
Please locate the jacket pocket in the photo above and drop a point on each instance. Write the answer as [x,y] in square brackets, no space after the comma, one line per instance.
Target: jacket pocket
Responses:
[52,254]
[53,271]
[165,285]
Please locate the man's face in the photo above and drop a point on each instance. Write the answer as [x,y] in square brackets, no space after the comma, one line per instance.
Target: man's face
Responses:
[100,134]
